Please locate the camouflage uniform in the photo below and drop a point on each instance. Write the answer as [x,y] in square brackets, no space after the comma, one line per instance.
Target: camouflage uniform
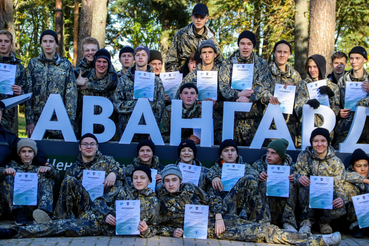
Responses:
[308,164]
[193,112]
[246,124]
[186,41]
[172,215]
[204,183]
[282,209]
[136,163]
[8,116]
[149,206]
[46,182]
[84,67]
[123,98]
[45,77]
[303,97]
[103,87]
[280,77]
[74,199]
[343,125]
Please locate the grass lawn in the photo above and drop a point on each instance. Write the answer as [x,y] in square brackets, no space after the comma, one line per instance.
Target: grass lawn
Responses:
[21,125]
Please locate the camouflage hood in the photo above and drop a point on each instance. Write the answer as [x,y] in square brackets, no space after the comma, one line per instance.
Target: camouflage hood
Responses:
[82,164]
[11,59]
[287,160]
[207,34]
[274,69]
[235,58]
[83,64]
[195,162]
[219,164]
[56,59]
[330,154]
[348,76]
[131,71]
[155,163]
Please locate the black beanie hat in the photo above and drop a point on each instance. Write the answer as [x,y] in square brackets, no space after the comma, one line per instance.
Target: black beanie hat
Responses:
[249,35]
[155,55]
[88,135]
[187,143]
[144,169]
[282,42]
[188,85]
[358,154]
[126,49]
[146,142]
[226,143]
[320,131]
[102,53]
[359,50]
[49,32]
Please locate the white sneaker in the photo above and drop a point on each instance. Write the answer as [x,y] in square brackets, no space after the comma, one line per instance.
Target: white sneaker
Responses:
[332,239]
[41,216]
[305,227]
[289,227]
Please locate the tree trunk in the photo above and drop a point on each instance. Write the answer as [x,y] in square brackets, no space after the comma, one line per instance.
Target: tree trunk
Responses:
[301,35]
[164,42]
[85,26]
[75,33]
[100,12]
[322,28]
[59,26]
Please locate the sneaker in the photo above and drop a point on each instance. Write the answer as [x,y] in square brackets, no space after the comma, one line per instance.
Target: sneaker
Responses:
[305,227]
[41,216]
[357,232]
[325,229]
[289,227]
[20,218]
[332,239]
[7,233]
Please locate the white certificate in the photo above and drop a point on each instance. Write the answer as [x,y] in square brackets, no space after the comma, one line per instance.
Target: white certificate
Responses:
[7,78]
[93,181]
[321,192]
[25,189]
[171,82]
[128,217]
[196,221]
[207,84]
[152,185]
[190,173]
[144,85]
[286,97]
[242,76]
[277,182]
[231,173]
[361,205]
[353,94]
[314,93]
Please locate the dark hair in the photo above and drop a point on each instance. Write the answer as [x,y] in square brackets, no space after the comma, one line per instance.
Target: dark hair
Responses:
[195,56]
[339,54]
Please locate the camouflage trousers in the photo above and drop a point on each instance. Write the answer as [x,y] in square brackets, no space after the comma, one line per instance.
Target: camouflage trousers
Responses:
[246,195]
[244,230]
[244,130]
[45,199]
[57,228]
[282,209]
[218,122]
[325,215]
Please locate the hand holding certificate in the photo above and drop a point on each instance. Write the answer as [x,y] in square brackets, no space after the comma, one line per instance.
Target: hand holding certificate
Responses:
[196,221]
[93,181]
[313,89]
[190,173]
[25,189]
[128,217]
[171,82]
[354,92]
[231,173]
[286,97]
[7,78]
[321,192]
[144,85]
[278,184]
[361,204]
[207,84]
[242,76]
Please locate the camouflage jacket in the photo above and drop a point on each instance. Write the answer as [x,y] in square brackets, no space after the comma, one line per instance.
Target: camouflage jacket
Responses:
[123,97]
[261,165]
[99,163]
[308,164]
[261,83]
[8,146]
[20,79]
[193,112]
[19,167]
[204,183]
[84,67]
[353,177]
[186,41]
[149,206]
[45,77]
[173,206]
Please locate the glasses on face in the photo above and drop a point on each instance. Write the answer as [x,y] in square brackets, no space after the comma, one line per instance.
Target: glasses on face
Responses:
[85,145]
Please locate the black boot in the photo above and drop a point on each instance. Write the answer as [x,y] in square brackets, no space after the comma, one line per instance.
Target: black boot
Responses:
[7,233]
[357,232]
[20,217]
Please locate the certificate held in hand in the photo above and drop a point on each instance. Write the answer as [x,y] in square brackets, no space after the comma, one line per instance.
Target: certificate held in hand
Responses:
[242,76]
[7,78]
[144,85]
[207,84]
[278,184]
[354,92]
[361,205]
[196,221]
[286,97]
[93,181]
[314,93]
[128,217]
[190,173]
[25,189]
[231,173]
[171,82]
[321,192]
